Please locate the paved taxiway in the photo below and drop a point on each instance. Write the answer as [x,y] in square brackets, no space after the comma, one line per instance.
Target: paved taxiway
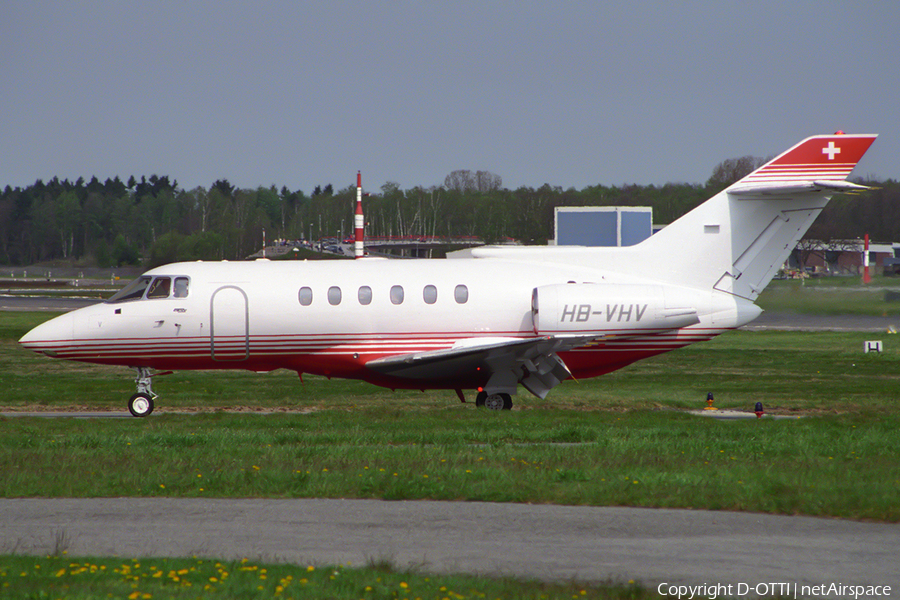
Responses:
[795,322]
[42,303]
[597,544]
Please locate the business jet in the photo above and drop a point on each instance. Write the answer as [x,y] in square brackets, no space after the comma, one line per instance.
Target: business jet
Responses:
[487,319]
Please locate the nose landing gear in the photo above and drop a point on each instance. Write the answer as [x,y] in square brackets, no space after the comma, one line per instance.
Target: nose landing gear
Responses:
[141,404]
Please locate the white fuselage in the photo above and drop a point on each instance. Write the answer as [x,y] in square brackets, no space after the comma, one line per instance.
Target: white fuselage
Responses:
[249,315]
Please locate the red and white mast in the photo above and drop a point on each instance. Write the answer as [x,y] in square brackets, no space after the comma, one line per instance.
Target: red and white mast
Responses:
[358,222]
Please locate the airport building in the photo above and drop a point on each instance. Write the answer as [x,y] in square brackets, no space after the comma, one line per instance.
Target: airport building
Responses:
[602,225]
[844,257]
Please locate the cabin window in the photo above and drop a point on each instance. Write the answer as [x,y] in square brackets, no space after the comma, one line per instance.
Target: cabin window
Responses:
[429,294]
[365,295]
[461,294]
[159,288]
[305,296]
[132,291]
[181,287]
[334,295]
[397,294]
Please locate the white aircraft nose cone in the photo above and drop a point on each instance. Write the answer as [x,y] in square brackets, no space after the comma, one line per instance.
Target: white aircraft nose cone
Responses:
[48,337]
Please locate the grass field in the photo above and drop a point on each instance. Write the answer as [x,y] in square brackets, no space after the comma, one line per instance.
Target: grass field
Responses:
[623,439]
[146,579]
[833,296]
[826,466]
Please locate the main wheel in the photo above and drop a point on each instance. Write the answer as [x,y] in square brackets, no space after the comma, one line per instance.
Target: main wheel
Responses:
[494,401]
[140,405]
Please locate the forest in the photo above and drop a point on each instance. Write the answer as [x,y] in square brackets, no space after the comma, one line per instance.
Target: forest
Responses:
[152,220]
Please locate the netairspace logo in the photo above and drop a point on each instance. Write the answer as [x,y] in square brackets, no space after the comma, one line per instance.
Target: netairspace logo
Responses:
[711,591]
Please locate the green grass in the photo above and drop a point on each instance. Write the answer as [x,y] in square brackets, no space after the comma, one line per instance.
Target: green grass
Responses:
[622,439]
[842,466]
[833,296]
[153,579]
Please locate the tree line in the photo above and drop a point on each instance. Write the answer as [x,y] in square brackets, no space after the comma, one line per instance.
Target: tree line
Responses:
[152,220]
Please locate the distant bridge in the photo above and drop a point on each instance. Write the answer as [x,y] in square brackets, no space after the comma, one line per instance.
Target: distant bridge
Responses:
[419,246]
[411,246]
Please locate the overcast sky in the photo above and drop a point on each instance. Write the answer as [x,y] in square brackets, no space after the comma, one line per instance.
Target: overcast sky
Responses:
[567,93]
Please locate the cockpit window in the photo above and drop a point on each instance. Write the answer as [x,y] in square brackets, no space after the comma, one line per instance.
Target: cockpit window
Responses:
[132,291]
[181,287]
[159,288]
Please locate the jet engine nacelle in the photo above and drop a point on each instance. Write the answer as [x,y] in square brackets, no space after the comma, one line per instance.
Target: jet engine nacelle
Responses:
[599,307]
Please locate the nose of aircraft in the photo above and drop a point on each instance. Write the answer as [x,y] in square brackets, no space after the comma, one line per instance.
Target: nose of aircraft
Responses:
[50,336]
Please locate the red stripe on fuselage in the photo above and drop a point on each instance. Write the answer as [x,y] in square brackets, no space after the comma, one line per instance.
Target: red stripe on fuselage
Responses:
[346,355]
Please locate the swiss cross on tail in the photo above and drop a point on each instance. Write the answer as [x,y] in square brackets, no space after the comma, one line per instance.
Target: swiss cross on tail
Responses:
[818,162]
[831,150]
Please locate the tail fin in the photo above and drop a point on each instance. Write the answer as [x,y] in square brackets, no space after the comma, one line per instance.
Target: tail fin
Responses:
[736,241]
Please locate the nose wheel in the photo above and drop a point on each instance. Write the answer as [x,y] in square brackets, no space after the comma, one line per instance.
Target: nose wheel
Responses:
[141,404]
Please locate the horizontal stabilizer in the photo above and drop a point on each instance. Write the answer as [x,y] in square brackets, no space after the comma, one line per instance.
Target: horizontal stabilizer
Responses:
[790,190]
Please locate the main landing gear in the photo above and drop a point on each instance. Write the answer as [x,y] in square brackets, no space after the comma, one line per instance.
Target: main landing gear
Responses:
[141,404]
[493,401]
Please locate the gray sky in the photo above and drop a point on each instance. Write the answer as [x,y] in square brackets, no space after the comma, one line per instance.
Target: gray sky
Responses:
[563,92]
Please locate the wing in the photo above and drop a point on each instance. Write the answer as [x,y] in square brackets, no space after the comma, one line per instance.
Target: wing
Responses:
[533,362]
